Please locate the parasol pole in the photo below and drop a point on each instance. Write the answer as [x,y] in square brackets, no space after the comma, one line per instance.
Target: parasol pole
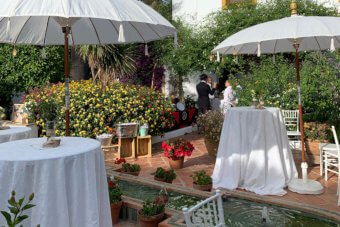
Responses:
[302,186]
[66,31]
[304,165]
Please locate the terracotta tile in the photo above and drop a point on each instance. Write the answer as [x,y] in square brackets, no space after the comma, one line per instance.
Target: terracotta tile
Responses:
[200,160]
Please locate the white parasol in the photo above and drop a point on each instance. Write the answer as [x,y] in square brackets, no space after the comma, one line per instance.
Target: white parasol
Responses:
[76,22]
[290,34]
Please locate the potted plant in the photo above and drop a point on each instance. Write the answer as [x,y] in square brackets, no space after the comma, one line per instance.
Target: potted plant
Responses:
[152,212]
[210,126]
[133,169]
[202,181]
[176,150]
[116,202]
[315,133]
[164,175]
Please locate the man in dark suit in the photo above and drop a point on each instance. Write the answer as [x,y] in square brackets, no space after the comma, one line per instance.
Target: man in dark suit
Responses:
[203,90]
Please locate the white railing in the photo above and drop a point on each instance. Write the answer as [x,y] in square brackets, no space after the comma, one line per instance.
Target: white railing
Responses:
[206,213]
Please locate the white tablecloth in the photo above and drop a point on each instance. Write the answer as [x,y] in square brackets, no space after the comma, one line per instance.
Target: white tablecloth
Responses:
[254,152]
[15,133]
[69,182]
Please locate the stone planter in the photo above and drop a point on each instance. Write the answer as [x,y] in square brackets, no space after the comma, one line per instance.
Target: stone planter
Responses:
[150,221]
[202,187]
[176,163]
[313,151]
[115,210]
[162,180]
[130,173]
[212,147]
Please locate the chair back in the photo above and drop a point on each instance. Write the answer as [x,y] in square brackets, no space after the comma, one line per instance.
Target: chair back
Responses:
[206,213]
[291,119]
[338,150]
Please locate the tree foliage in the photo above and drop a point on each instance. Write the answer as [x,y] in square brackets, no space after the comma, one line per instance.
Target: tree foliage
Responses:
[196,43]
[28,69]
[109,62]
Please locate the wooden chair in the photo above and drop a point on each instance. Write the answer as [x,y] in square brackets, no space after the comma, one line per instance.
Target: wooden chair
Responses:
[291,120]
[206,213]
[332,157]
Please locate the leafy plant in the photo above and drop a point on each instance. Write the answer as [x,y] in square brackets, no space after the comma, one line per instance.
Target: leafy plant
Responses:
[201,178]
[210,125]
[115,193]
[28,69]
[190,103]
[177,148]
[317,131]
[167,175]
[108,62]
[48,109]
[17,208]
[96,110]
[127,167]
[152,208]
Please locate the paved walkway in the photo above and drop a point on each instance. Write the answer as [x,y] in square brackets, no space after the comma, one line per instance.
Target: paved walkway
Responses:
[200,160]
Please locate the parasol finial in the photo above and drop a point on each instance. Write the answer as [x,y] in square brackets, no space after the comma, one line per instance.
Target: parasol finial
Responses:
[293,7]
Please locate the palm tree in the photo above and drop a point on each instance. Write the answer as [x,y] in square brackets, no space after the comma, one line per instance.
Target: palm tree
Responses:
[108,62]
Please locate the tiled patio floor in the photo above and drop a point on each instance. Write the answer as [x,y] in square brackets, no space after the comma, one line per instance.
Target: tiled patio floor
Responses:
[200,160]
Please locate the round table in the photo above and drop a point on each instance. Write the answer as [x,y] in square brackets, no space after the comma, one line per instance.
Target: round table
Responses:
[15,133]
[69,182]
[254,152]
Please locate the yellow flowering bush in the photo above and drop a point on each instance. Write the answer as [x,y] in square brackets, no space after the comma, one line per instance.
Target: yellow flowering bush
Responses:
[96,110]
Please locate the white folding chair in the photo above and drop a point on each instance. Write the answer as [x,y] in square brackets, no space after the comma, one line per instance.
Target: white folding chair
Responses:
[332,157]
[291,119]
[325,147]
[206,213]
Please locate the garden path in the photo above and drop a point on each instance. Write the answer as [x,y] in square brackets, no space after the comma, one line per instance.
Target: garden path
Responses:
[200,160]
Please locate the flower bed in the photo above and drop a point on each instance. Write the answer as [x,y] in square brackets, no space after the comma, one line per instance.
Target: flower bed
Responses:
[95,110]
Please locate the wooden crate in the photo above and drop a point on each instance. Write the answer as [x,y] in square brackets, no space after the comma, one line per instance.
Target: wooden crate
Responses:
[127,147]
[111,152]
[144,146]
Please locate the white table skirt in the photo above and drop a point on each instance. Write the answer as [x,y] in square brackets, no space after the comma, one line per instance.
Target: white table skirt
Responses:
[15,133]
[254,152]
[69,182]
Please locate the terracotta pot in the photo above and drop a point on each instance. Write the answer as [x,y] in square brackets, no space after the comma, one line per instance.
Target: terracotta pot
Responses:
[212,147]
[176,163]
[150,221]
[162,180]
[130,173]
[202,187]
[115,210]
[313,151]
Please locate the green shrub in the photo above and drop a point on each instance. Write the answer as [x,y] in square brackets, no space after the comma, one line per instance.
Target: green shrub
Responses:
[201,178]
[96,110]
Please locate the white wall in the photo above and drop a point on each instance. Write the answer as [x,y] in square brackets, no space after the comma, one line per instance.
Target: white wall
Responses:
[193,11]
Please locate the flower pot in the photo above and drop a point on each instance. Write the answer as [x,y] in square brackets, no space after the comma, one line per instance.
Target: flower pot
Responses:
[115,210]
[130,173]
[176,163]
[162,180]
[159,179]
[212,147]
[313,151]
[202,187]
[150,221]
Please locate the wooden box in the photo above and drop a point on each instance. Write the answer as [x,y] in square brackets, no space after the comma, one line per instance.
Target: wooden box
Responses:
[127,147]
[144,146]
